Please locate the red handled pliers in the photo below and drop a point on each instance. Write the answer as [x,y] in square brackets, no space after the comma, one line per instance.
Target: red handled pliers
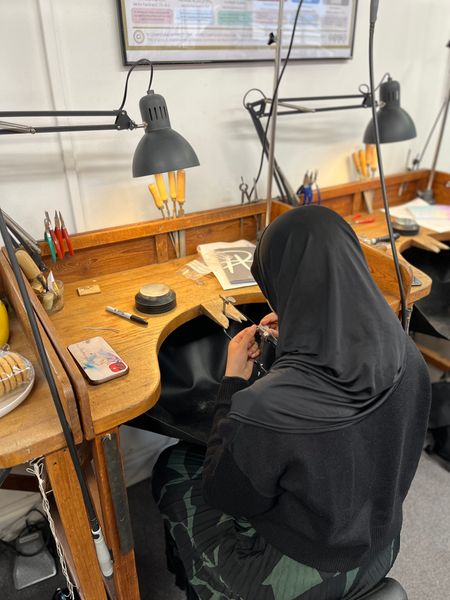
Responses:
[65,235]
[58,233]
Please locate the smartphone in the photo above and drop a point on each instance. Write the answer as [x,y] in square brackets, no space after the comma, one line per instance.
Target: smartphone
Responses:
[97,360]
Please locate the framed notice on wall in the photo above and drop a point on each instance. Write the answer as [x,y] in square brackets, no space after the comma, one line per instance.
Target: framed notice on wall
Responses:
[191,31]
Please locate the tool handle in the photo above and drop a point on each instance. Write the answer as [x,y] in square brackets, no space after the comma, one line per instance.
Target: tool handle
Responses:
[56,244]
[48,239]
[362,221]
[66,235]
[173,185]
[357,162]
[156,197]
[27,264]
[363,163]
[373,163]
[369,153]
[31,251]
[59,237]
[181,187]
[161,187]
[384,238]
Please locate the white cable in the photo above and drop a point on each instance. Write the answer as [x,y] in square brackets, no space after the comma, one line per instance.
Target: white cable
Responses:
[37,468]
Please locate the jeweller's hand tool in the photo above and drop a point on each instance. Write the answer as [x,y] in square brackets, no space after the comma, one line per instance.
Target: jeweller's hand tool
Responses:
[181,190]
[153,188]
[58,233]
[48,239]
[173,191]
[162,191]
[53,236]
[66,235]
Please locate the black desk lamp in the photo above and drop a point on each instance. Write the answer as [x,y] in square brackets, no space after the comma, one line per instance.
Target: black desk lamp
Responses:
[394,123]
[161,150]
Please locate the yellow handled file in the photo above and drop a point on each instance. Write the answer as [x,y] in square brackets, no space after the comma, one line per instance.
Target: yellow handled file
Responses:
[156,197]
[181,186]
[161,187]
[173,185]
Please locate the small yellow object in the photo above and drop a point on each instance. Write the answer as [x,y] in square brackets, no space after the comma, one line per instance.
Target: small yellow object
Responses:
[86,290]
[363,163]
[173,185]
[161,186]
[155,193]
[357,162]
[4,324]
[181,186]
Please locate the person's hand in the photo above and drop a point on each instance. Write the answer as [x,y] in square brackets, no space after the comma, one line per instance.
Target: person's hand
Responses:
[242,350]
[271,321]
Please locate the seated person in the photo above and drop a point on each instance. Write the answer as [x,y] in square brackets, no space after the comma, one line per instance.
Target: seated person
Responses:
[300,493]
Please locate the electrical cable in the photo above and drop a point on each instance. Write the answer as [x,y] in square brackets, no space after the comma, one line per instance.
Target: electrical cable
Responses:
[404,311]
[365,89]
[142,61]
[286,60]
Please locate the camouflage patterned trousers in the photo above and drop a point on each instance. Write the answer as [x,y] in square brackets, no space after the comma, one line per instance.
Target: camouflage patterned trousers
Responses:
[224,558]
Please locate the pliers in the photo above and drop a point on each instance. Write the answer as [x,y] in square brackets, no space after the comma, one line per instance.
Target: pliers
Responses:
[306,189]
[55,241]
[58,233]
[49,240]
[65,235]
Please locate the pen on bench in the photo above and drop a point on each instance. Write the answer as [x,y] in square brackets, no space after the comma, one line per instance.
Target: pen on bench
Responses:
[125,315]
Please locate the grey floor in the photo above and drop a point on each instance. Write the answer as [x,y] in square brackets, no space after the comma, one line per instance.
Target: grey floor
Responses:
[423,565]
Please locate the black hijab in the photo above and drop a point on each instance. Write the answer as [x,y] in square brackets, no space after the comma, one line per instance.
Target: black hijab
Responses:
[341,348]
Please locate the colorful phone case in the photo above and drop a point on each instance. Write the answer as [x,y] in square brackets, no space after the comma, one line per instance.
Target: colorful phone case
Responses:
[97,360]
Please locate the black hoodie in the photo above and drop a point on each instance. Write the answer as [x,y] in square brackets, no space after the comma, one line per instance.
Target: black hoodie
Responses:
[320,453]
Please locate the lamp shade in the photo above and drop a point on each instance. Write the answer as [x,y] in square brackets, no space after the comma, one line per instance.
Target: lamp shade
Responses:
[394,123]
[161,149]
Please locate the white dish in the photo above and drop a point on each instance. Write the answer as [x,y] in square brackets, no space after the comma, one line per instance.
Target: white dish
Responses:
[13,399]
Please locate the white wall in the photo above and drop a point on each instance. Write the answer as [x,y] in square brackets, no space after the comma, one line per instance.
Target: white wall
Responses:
[66,55]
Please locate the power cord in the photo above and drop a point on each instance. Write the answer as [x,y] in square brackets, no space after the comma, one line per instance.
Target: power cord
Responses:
[140,62]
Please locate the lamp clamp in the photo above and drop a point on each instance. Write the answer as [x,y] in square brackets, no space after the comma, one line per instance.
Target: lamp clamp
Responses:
[123,121]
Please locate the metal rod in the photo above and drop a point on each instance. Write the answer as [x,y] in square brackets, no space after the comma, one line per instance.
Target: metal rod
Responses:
[438,147]
[310,98]
[60,113]
[59,128]
[282,113]
[274,110]
[24,234]
[364,97]
[262,138]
